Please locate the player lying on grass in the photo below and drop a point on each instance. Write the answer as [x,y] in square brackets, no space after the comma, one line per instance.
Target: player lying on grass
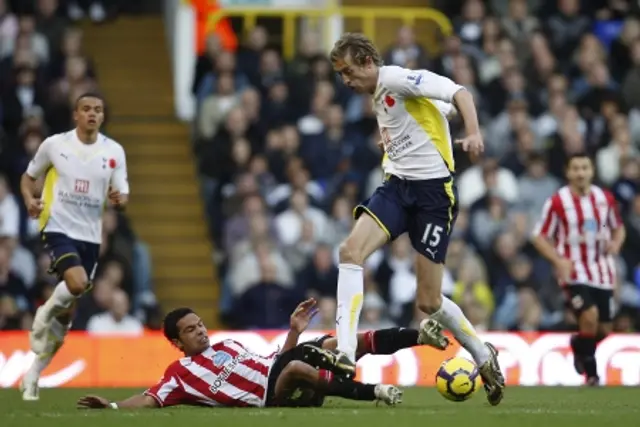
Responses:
[227,374]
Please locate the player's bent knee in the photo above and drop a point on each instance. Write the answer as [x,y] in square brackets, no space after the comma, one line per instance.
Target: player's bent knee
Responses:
[297,370]
[350,253]
[430,304]
[588,321]
[76,279]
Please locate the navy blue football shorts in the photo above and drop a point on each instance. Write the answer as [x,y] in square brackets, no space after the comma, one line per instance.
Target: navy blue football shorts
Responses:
[426,209]
[66,253]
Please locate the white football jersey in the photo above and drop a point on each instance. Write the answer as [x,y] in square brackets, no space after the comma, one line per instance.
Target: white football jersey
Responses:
[412,108]
[77,182]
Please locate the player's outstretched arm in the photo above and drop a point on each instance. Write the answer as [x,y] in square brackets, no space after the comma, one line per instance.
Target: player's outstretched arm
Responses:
[40,163]
[134,402]
[29,190]
[463,101]
[300,318]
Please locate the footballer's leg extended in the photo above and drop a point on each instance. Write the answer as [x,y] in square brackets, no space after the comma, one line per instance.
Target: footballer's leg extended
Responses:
[74,262]
[592,308]
[304,375]
[429,231]
[380,219]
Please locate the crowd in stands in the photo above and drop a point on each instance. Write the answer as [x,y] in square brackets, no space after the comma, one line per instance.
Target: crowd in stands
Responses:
[285,152]
[43,69]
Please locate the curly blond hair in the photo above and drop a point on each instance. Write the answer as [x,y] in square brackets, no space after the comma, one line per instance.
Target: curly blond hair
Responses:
[358,46]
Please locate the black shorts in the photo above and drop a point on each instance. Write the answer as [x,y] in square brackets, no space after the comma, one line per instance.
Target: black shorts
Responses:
[582,297]
[308,397]
[426,209]
[66,253]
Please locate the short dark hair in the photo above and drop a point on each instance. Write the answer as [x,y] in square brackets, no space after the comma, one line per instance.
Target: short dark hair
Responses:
[88,95]
[358,46]
[578,155]
[536,157]
[170,323]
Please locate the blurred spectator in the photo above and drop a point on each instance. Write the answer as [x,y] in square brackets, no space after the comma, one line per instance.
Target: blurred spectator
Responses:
[535,186]
[9,212]
[216,106]
[469,25]
[480,180]
[8,22]
[10,284]
[26,38]
[406,51]
[519,26]
[70,46]
[49,23]
[225,63]
[116,321]
[326,318]
[321,274]
[251,52]
[566,27]
[206,61]
[20,98]
[266,301]
[608,159]
[76,9]
[374,314]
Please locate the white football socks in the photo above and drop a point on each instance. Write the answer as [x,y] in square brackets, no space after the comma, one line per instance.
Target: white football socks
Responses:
[452,318]
[350,297]
[56,338]
[60,299]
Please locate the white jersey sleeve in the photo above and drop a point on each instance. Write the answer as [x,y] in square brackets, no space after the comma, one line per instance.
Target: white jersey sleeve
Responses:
[41,160]
[447,109]
[120,180]
[418,84]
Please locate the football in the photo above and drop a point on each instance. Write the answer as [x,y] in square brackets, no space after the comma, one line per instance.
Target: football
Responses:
[457,379]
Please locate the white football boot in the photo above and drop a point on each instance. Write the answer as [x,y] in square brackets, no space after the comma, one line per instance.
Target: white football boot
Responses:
[54,338]
[430,333]
[391,395]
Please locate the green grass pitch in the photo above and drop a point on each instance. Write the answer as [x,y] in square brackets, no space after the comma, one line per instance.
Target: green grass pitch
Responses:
[522,407]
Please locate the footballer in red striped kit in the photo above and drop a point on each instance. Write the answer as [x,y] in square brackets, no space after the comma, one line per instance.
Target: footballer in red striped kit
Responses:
[227,374]
[580,233]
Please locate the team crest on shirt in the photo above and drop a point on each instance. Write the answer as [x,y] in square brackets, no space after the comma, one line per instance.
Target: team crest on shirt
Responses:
[221,358]
[590,226]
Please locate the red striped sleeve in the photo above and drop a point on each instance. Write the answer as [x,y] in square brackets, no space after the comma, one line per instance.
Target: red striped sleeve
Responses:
[548,224]
[614,220]
[167,392]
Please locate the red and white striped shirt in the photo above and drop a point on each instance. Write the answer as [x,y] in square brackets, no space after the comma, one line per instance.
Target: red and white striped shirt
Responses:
[581,227]
[226,374]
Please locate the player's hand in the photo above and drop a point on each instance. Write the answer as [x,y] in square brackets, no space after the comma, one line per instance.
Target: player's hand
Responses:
[35,207]
[303,314]
[472,143]
[93,402]
[564,269]
[115,197]
[613,248]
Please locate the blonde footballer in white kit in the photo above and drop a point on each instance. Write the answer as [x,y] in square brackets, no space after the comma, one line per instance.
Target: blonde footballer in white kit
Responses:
[83,170]
[418,196]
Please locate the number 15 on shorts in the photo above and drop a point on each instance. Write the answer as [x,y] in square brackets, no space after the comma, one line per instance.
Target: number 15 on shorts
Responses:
[431,238]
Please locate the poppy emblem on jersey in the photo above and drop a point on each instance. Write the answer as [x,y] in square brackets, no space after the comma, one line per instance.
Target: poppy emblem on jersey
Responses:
[112,163]
[389,101]
[81,186]
[221,358]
